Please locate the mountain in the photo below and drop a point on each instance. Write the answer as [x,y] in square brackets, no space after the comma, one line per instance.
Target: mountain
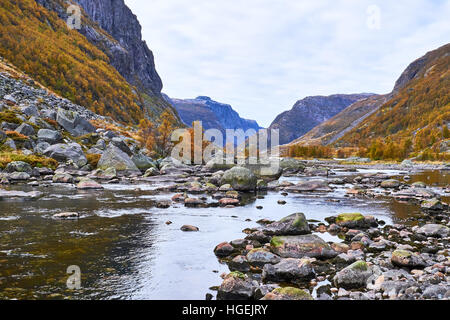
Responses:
[213,114]
[310,112]
[417,116]
[335,128]
[104,66]
[412,120]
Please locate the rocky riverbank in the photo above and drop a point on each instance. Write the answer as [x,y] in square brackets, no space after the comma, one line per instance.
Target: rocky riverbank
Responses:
[369,260]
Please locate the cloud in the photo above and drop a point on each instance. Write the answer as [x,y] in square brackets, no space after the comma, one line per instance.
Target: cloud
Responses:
[261,56]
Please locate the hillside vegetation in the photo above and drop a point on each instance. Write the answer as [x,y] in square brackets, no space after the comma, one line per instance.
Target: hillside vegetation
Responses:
[413,122]
[39,43]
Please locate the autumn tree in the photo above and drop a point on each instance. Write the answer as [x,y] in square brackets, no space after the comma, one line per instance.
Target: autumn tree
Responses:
[167,124]
[147,134]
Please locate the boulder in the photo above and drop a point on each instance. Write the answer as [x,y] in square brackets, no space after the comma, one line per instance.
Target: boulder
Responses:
[432,205]
[239,263]
[73,123]
[49,136]
[290,164]
[18,166]
[19,176]
[26,130]
[310,186]
[354,276]
[151,172]
[30,111]
[240,179]
[434,230]
[115,158]
[390,184]
[143,162]
[41,147]
[408,259]
[353,221]
[289,270]
[237,286]
[295,224]
[65,152]
[87,184]
[120,143]
[62,178]
[301,246]
[189,228]
[66,215]
[223,249]
[259,257]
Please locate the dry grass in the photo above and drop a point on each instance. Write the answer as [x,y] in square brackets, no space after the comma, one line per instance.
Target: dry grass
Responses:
[33,160]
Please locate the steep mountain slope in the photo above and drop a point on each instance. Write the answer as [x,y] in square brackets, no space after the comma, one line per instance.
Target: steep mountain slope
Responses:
[310,112]
[89,67]
[213,114]
[335,128]
[416,118]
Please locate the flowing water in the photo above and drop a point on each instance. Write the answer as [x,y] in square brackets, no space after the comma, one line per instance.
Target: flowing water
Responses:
[125,249]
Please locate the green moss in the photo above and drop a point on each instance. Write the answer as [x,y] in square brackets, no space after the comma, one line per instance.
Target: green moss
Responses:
[89,140]
[359,265]
[402,253]
[33,160]
[276,242]
[295,293]
[237,274]
[10,117]
[345,217]
[93,159]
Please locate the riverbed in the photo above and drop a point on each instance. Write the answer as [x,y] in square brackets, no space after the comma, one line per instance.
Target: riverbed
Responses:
[126,250]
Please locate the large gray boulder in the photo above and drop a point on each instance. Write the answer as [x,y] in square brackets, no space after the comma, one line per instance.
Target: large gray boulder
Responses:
[115,158]
[240,179]
[434,230]
[26,129]
[295,224]
[74,123]
[120,143]
[41,147]
[299,247]
[289,270]
[49,136]
[354,276]
[18,166]
[237,286]
[293,165]
[143,162]
[65,152]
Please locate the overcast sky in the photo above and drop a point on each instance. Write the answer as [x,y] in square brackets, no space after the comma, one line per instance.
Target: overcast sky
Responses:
[261,56]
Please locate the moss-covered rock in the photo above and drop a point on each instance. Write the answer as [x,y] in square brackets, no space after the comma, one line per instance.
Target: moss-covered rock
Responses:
[288,293]
[302,246]
[294,224]
[407,259]
[354,276]
[240,179]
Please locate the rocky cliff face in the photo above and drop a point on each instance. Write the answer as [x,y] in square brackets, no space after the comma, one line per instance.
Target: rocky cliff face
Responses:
[310,112]
[112,27]
[128,53]
[133,60]
[213,114]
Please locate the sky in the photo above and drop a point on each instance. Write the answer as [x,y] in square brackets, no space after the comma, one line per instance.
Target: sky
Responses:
[261,56]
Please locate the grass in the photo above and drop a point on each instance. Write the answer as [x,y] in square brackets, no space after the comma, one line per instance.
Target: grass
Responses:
[9,116]
[33,160]
[93,159]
